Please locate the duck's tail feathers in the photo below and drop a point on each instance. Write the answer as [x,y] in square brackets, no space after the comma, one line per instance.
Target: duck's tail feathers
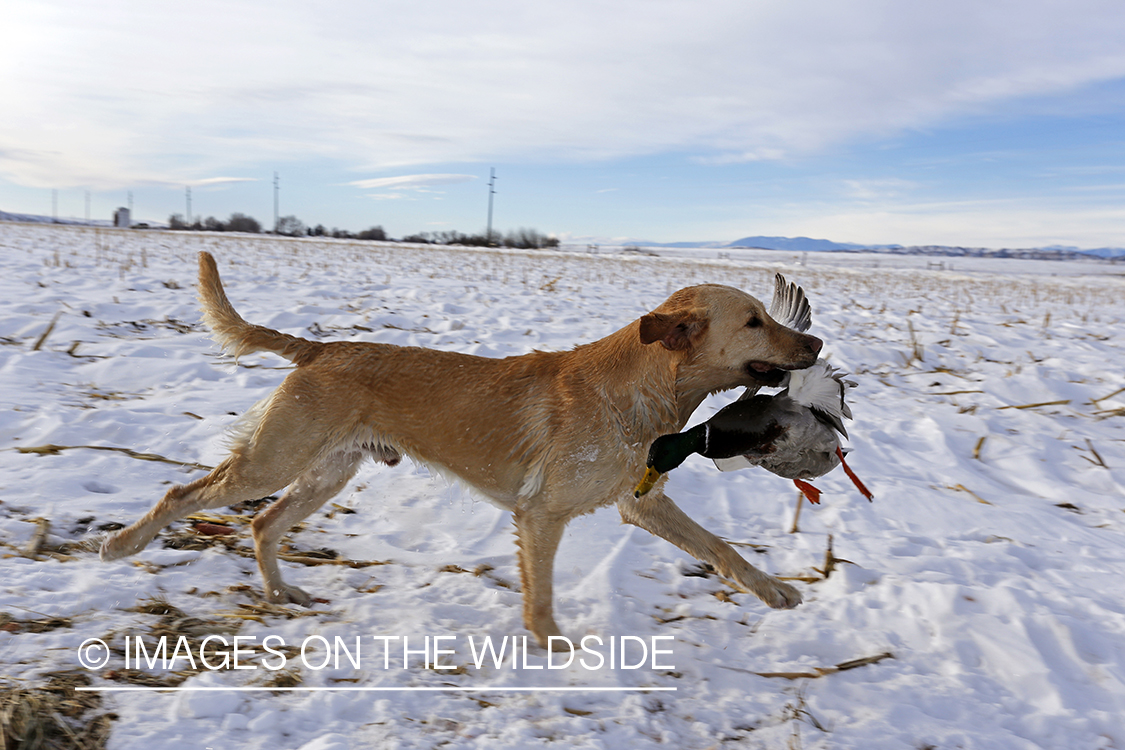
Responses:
[821,388]
[235,335]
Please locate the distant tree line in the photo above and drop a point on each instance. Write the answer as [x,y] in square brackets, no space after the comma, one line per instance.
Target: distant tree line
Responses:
[374,233]
[525,239]
[291,226]
[236,223]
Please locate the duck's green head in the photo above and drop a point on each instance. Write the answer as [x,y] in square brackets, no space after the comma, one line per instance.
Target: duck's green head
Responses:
[666,453]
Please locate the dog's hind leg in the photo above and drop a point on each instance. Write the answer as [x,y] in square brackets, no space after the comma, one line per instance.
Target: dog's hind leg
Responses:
[305,495]
[223,486]
[271,456]
[657,514]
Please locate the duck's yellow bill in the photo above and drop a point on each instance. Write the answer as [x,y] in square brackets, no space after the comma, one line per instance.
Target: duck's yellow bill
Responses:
[651,475]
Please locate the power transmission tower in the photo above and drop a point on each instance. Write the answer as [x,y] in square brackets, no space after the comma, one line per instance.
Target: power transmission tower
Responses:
[276,188]
[491,192]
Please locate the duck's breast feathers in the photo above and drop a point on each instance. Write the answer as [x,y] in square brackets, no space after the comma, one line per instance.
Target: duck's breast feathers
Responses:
[734,463]
[808,464]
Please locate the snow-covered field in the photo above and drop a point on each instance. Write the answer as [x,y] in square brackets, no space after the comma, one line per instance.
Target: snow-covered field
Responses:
[990,423]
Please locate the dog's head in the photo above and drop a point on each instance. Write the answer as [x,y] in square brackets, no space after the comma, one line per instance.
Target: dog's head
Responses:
[727,337]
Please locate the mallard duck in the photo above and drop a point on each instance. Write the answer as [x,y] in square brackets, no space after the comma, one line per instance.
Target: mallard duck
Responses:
[811,410]
[794,434]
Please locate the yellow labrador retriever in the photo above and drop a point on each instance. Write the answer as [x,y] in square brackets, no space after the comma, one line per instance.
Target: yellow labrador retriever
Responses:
[547,435]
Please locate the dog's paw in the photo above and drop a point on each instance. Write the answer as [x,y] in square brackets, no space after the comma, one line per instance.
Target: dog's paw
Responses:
[286,594]
[113,547]
[779,594]
[543,628]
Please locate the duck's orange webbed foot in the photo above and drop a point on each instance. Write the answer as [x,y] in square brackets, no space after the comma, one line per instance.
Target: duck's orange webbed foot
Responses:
[812,493]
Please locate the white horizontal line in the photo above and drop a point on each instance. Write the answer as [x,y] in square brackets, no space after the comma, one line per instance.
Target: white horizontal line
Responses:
[142,689]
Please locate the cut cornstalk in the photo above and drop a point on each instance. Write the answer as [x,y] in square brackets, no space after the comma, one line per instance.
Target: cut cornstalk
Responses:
[1063,402]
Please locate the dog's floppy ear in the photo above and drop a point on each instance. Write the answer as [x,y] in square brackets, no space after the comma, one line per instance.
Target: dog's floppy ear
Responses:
[675,331]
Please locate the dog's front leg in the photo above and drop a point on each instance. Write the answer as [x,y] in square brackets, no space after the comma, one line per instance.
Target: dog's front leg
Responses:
[538,533]
[657,514]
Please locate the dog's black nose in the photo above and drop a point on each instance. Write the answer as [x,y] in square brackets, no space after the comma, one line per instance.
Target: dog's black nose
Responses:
[814,344]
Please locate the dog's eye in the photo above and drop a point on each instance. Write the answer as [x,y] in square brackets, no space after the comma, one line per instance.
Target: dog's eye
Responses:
[754,322]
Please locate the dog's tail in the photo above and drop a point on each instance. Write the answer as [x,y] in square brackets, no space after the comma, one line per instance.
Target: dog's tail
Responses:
[237,336]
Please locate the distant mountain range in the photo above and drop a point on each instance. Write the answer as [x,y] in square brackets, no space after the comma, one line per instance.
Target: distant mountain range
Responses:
[807,244]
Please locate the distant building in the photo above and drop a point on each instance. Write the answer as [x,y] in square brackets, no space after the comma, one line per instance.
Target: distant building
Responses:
[121,218]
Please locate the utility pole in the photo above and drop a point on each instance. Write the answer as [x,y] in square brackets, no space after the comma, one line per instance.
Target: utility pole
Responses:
[491,192]
[189,204]
[130,208]
[276,188]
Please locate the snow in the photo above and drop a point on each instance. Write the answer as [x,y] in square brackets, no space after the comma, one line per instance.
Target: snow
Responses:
[989,565]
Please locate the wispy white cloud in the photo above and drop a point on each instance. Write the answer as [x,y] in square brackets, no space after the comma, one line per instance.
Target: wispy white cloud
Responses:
[877,189]
[116,94]
[412,181]
[213,181]
[1118,187]
[743,157]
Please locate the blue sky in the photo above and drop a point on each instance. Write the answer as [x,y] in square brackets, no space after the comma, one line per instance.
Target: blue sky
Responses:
[995,124]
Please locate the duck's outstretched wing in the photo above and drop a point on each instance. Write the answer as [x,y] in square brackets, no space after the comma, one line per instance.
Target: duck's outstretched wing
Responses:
[790,307]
